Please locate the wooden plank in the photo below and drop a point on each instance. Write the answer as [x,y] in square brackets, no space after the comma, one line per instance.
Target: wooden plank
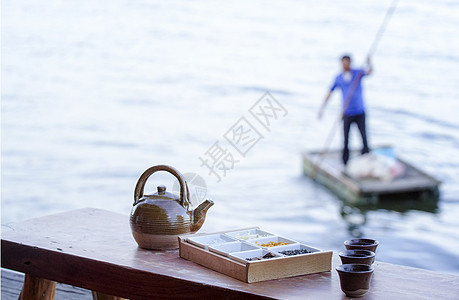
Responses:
[37,289]
[421,172]
[402,185]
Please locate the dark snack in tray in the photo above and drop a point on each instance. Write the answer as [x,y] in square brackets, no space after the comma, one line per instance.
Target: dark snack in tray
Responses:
[295,252]
[266,256]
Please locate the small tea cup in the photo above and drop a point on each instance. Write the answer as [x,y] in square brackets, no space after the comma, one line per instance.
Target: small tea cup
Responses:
[362,244]
[354,279]
[357,256]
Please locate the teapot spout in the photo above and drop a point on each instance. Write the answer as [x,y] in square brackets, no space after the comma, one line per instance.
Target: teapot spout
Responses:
[199,215]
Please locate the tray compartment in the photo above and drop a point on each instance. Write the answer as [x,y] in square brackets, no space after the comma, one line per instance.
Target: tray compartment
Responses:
[270,241]
[289,250]
[249,234]
[253,255]
[227,248]
[204,241]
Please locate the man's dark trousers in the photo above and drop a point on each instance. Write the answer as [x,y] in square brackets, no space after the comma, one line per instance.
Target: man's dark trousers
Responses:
[360,121]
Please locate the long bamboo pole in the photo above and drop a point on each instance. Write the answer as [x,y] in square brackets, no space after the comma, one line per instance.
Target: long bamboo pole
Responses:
[352,89]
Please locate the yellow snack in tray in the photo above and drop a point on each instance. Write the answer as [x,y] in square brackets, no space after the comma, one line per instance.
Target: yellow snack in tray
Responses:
[272,244]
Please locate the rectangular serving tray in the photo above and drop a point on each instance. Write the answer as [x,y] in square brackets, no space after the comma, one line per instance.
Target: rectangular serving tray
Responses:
[255,271]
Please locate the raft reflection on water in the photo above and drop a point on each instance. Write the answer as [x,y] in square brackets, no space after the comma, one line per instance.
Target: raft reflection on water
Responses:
[356,214]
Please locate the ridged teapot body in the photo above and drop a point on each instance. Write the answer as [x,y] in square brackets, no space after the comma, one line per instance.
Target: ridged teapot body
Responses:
[157,220]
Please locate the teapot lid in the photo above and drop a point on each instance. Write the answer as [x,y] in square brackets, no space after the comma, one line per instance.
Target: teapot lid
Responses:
[163,195]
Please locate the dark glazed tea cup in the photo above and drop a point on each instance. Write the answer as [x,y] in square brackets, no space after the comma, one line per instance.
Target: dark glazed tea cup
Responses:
[354,279]
[362,244]
[357,256]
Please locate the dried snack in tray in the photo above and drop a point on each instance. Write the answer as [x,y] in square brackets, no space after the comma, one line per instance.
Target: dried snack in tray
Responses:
[295,252]
[272,244]
[266,256]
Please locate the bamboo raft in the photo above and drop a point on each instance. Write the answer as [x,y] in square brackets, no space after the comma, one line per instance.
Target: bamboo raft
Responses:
[327,169]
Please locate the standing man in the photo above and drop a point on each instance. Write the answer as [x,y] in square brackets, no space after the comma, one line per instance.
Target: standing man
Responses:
[349,81]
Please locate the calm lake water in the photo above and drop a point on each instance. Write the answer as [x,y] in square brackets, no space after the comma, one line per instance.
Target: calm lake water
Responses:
[94,93]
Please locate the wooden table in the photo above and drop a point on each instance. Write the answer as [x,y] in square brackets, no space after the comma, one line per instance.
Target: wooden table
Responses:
[94,249]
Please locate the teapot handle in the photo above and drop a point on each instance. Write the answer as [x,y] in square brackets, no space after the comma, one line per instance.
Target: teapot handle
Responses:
[140,186]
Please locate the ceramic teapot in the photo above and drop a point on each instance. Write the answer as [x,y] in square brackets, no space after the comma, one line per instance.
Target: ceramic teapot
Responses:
[158,219]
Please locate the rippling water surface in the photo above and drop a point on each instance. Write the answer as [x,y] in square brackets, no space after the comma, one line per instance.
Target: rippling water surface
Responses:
[93,94]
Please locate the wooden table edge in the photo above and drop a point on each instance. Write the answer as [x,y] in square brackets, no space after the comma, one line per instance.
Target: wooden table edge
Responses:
[105,277]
